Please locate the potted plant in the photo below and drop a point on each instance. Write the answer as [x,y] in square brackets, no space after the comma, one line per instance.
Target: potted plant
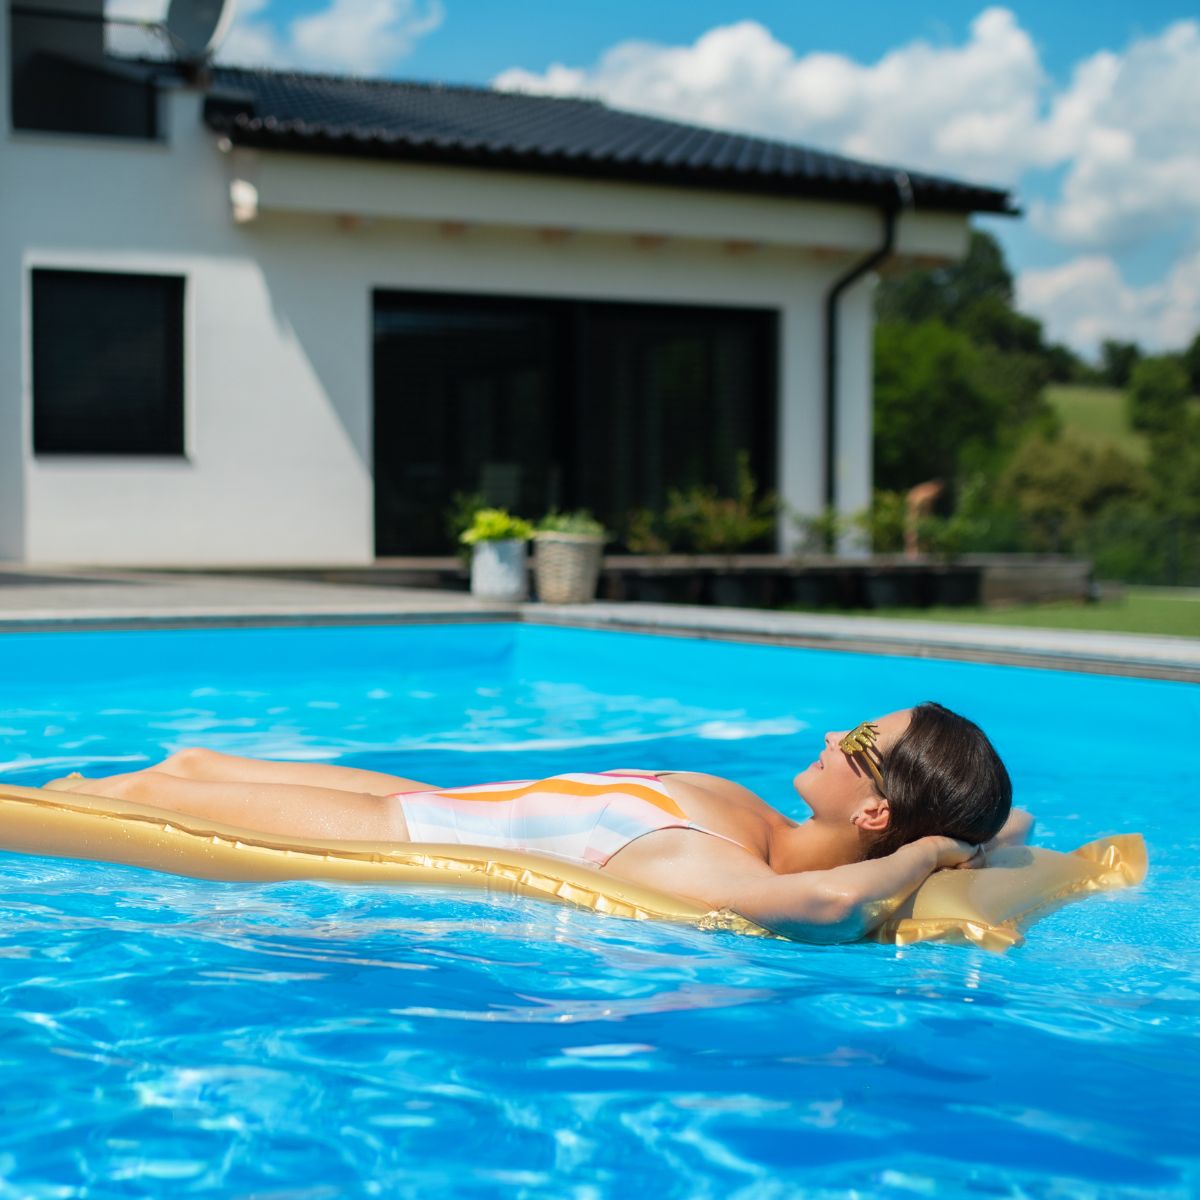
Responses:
[567,550]
[818,584]
[497,540]
[889,582]
[710,523]
[951,583]
[645,536]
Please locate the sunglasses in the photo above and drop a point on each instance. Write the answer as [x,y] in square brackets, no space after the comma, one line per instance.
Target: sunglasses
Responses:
[861,743]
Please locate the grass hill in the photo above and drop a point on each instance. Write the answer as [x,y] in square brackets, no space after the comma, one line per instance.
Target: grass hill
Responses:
[1098,416]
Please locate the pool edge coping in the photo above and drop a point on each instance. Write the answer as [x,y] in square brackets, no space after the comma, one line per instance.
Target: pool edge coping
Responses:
[1135,655]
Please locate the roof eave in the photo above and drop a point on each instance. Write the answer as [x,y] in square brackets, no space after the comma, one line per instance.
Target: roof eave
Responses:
[965,199]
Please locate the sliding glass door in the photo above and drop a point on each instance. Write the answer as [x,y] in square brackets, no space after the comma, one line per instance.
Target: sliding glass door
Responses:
[538,404]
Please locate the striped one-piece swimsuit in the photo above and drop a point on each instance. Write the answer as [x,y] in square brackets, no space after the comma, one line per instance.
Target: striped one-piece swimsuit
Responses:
[584,817]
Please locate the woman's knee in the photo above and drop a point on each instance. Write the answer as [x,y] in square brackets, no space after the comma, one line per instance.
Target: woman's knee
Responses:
[189,762]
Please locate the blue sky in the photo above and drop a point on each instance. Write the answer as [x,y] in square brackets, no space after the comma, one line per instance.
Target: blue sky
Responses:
[1089,112]
[477,40]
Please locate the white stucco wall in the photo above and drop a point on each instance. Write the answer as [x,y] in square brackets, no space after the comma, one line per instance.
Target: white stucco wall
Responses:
[12,467]
[278,322]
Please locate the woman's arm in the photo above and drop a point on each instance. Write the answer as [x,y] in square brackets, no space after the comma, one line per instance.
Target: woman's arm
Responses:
[1015,832]
[845,903]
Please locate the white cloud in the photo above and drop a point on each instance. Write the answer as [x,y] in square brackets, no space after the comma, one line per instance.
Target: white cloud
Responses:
[363,36]
[358,37]
[251,41]
[1130,126]
[1087,300]
[969,109]
[1125,126]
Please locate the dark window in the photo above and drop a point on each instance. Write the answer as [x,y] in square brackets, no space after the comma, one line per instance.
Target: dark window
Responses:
[536,404]
[107,363]
[63,82]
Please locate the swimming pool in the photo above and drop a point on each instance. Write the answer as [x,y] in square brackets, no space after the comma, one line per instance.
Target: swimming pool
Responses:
[164,1036]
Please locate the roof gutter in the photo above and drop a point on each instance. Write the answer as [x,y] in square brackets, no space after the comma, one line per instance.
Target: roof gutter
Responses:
[904,199]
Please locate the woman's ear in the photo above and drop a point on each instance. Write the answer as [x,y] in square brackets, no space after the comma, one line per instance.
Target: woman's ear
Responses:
[873,815]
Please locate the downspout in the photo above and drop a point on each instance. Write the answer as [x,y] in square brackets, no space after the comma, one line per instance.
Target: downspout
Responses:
[904,199]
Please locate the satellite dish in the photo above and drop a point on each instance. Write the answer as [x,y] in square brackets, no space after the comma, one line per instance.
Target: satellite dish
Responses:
[195,28]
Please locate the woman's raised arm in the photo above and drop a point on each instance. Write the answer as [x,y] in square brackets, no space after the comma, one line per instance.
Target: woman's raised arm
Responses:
[1016,831]
[846,903]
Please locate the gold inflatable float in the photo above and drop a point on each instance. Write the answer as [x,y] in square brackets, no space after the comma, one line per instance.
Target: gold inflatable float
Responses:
[989,907]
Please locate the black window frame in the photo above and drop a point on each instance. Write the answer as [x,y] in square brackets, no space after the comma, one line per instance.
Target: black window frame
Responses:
[164,432]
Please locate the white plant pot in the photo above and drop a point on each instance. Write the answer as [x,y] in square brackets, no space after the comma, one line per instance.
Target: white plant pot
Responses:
[498,570]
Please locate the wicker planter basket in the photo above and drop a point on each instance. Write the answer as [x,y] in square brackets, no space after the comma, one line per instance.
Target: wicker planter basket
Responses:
[566,567]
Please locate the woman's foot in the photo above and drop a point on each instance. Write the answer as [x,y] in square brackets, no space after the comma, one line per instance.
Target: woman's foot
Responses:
[112,786]
[75,782]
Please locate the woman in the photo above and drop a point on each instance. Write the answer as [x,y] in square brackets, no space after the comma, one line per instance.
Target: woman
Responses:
[892,801]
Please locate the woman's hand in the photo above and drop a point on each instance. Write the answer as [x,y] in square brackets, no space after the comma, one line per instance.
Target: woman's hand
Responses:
[951,852]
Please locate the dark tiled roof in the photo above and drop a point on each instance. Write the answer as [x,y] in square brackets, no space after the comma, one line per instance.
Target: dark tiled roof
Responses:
[418,122]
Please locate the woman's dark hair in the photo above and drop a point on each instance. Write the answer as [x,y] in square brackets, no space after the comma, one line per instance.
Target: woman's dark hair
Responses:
[943,777]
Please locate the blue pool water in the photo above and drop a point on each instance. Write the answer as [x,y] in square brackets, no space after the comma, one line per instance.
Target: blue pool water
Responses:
[166,1037]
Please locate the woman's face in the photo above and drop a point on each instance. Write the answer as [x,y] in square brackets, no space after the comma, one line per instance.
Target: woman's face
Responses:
[837,786]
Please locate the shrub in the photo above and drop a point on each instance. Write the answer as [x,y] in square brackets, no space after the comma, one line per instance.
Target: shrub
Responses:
[1158,394]
[1056,485]
[643,533]
[461,513]
[581,523]
[1191,363]
[820,532]
[1175,470]
[700,519]
[1125,541]
[882,525]
[496,525]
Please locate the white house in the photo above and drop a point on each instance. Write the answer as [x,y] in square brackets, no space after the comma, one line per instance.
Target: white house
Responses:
[280,319]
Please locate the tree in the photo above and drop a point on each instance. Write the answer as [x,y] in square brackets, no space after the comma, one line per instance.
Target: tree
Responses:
[945,293]
[934,402]
[1117,361]
[1175,468]
[1058,484]
[1191,363]
[1158,394]
[992,321]
[1065,366]
[976,297]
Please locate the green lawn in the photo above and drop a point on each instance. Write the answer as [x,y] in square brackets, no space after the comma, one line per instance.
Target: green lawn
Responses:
[1140,610]
[1097,416]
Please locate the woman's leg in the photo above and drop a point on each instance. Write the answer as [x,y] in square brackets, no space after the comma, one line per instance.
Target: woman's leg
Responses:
[215,767]
[278,808]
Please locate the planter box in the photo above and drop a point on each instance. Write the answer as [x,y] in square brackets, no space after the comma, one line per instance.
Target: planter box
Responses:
[810,581]
[953,586]
[741,589]
[891,589]
[566,567]
[662,588]
[813,589]
[499,570]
